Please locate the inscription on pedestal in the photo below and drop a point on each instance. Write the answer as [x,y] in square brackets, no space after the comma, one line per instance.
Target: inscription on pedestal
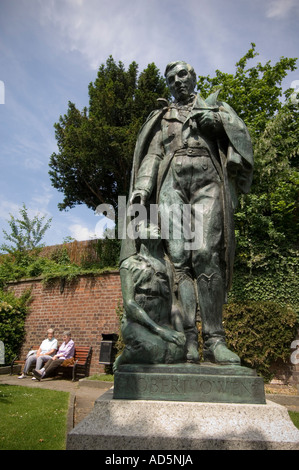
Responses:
[189,387]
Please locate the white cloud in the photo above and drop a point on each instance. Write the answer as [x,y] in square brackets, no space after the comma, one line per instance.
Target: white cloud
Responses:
[8,207]
[282,8]
[147,32]
[80,232]
[103,224]
[197,31]
[37,204]
[41,199]
[95,29]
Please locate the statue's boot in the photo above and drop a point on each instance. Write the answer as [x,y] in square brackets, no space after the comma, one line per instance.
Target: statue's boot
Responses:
[210,294]
[187,297]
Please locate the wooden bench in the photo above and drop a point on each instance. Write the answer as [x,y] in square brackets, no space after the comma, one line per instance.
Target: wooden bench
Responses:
[80,366]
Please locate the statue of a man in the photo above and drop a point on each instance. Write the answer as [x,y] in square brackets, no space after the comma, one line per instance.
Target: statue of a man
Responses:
[195,153]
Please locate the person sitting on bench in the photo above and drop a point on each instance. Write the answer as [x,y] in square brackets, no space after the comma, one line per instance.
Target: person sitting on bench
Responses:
[45,352]
[66,351]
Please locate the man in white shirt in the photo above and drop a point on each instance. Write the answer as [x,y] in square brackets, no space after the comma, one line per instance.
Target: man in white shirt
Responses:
[45,352]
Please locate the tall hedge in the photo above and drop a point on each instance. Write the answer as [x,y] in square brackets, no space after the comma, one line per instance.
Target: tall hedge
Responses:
[260,333]
[13,311]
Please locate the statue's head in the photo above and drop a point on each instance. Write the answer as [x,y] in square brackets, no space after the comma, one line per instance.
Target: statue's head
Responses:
[181,79]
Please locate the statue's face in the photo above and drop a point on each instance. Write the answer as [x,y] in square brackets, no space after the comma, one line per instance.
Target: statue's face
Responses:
[180,82]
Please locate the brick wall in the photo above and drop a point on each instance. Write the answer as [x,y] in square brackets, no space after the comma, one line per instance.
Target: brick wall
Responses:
[86,306]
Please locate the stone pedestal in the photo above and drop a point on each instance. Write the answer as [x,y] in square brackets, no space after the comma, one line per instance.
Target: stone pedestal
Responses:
[189,382]
[117,424]
[185,407]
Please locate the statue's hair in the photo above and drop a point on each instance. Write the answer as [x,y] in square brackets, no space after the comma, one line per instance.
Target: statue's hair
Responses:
[171,65]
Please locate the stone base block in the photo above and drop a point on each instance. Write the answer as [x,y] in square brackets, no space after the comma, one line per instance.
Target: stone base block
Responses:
[189,382]
[173,425]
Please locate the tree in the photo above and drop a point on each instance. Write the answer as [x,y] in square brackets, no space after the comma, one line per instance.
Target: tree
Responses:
[266,221]
[26,234]
[270,212]
[253,92]
[277,177]
[96,145]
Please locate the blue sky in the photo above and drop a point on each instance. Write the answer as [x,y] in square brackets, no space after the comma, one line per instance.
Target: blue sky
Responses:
[50,50]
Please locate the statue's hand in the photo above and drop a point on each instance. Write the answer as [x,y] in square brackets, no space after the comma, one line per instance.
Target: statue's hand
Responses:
[172,336]
[139,196]
[206,119]
[180,338]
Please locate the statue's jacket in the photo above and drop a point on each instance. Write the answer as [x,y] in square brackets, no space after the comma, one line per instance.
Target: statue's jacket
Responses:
[234,164]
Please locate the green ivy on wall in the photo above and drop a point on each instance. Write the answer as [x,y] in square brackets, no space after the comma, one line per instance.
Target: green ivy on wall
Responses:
[260,333]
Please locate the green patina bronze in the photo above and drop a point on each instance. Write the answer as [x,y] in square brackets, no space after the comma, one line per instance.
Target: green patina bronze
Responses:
[152,327]
[189,382]
[191,153]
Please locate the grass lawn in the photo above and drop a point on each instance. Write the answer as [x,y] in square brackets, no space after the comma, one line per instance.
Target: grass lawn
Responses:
[294,415]
[32,419]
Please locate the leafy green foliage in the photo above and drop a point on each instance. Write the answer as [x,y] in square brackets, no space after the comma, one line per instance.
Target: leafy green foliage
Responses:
[108,251]
[26,233]
[96,146]
[266,221]
[276,281]
[260,332]
[277,173]
[30,264]
[13,311]
[254,92]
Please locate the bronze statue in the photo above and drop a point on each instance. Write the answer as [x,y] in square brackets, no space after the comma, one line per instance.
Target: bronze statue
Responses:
[151,326]
[193,153]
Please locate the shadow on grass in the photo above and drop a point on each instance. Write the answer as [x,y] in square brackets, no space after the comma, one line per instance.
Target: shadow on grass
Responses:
[5,396]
